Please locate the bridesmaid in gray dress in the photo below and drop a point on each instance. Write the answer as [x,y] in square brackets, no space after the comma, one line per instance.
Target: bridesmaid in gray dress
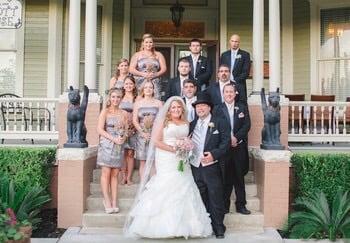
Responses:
[121,71]
[148,64]
[112,128]
[127,104]
[144,113]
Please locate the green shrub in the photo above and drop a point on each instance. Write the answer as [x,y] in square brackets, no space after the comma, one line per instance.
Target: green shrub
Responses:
[321,172]
[27,167]
[26,202]
[316,217]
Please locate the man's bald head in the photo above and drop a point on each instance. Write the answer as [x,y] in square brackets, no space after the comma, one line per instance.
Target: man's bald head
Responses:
[235,40]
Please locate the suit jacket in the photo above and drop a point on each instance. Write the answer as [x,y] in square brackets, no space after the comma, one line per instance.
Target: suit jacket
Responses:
[204,70]
[173,88]
[240,131]
[241,119]
[241,68]
[218,138]
[215,94]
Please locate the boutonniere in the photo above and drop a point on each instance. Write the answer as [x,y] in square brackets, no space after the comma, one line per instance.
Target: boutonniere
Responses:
[211,125]
[239,56]
[241,115]
[199,61]
[236,108]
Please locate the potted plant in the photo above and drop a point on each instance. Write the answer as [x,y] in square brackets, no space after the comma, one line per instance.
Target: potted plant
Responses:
[14,231]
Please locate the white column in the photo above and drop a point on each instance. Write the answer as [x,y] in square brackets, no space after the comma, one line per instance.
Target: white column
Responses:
[73,44]
[90,44]
[223,25]
[274,45]
[258,46]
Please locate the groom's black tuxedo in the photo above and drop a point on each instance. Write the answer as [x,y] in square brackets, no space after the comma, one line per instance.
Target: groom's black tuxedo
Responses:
[209,178]
[237,158]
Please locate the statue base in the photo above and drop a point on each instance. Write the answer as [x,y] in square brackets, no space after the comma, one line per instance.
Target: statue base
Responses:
[272,146]
[75,145]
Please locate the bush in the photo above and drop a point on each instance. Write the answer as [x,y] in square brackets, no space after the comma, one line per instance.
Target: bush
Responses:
[321,172]
[317,217]
[27,167]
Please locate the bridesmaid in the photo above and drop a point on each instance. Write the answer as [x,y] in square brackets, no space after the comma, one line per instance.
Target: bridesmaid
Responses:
[112,128]
[148,64]
[145,111]
[121,71]
[130,146]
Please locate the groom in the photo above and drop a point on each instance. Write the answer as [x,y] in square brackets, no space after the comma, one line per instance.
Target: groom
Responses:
[211,136]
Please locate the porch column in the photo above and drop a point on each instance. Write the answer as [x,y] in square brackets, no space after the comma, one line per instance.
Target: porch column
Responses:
[258,46]
[274,45]
[90,44]
[73,44]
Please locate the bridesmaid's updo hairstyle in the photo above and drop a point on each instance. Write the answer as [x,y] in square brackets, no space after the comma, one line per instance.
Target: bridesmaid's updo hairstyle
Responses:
[116,71]
[144,37]
[132,79]
[111,91]
[142,88]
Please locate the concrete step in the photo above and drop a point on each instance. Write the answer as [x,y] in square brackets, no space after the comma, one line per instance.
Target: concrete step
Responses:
[94,202]
[249,178]
[125,191]
[119,231]
[97,218]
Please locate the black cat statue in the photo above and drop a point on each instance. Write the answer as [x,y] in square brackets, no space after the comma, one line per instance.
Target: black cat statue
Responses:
[76,130]
[271,132]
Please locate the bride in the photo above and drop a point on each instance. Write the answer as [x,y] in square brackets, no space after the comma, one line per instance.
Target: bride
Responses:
[168,203]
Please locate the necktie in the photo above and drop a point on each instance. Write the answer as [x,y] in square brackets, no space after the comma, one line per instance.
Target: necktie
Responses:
[233,60]
[194,66]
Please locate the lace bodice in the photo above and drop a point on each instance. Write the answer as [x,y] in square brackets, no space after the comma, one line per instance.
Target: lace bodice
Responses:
[172,132]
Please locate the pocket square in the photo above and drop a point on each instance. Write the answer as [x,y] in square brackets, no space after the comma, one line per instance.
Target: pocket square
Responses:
[216,132]
[241,115]
[202,67]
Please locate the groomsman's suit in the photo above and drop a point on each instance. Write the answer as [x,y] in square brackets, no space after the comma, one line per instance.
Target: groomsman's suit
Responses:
[173,88]
[203,72]
[213,135]
[241,68]
[237,158]
[216,95]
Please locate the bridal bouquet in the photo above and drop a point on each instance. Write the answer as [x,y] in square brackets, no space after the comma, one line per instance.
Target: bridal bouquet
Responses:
[184,150]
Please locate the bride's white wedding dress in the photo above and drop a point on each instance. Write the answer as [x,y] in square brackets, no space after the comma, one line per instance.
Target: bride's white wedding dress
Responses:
[171,205]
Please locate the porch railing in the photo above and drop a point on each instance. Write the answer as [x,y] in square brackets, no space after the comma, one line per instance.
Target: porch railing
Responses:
[28,118]
[314,121]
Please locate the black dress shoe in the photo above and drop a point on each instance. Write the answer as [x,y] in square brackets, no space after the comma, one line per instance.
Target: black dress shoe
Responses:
[220,236]
[243,210]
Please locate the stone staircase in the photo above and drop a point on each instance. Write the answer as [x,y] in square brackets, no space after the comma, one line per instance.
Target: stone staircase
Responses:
[95,217]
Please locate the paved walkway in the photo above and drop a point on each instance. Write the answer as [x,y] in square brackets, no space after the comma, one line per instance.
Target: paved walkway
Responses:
[75,235]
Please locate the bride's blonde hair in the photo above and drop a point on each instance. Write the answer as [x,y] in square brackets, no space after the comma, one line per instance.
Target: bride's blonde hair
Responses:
[182,117]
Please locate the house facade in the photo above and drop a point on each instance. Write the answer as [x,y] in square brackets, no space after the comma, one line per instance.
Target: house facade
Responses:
[314,56]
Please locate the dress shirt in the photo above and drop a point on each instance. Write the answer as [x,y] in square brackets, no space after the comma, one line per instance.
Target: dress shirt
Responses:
[233,60]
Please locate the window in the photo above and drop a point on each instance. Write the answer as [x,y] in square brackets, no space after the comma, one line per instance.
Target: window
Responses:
[334,62]
[7,61]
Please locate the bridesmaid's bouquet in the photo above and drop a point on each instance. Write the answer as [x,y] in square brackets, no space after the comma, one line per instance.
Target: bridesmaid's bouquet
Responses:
[148,124]
[121,132]
[184,150]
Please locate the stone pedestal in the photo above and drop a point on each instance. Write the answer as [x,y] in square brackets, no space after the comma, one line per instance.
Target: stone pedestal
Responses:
[271,169]
[91,117]
[75,167]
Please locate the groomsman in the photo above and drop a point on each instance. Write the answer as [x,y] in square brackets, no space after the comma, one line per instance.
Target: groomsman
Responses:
[211,136]
[201,67]
[189,91]
[239,62]
[215,90]
[237,158]
[175,85]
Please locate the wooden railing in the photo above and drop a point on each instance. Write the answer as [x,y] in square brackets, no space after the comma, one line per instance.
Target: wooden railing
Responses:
[28,118]
[314,121]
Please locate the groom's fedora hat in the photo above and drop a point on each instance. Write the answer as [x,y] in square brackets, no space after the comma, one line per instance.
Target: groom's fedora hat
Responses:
[203,98]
